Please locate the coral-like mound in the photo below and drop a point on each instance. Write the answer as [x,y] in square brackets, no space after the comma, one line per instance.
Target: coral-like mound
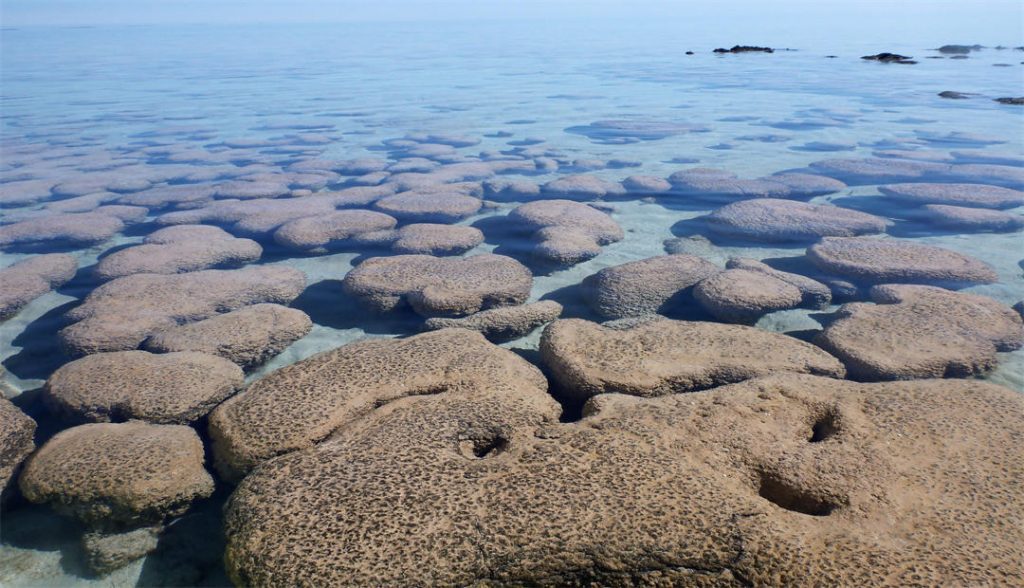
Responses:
[814,293]
[431,207]
[17,432]
[87,228]
[179,249]
[315,233]
[743,296]
[503,324]
[661,356]
[566,232]
[582,187]
[248,336]
[973,195]
[172,388]
[426,239]
[721,184]
[30,278]
[307,402]
[876,261]
[783,480]
[971,219]
[921,332]
[439,286]
[120,314]
[647,286]
[774,220]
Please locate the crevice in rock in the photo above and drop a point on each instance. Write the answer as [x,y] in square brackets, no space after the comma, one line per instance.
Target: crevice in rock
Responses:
[789,497]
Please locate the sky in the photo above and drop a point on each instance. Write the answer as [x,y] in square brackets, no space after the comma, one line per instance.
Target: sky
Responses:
[997,19]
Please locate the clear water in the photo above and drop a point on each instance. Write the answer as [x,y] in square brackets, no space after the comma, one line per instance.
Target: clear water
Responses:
[95,89]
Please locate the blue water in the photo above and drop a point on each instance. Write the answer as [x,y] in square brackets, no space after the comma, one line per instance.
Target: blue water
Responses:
[110,91]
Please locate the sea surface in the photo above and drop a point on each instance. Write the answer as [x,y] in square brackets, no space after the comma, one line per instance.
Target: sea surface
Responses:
[105,91]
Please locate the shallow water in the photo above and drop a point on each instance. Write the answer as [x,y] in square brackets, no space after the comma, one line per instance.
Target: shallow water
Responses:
[113,90]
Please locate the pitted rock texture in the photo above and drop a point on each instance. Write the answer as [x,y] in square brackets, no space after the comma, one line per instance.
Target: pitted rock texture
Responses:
[439,286]
[743,296]
[17,431]
[723,185]
[310,401]
[971,219]
[921,332]
[431,207]
[646,185]
[426,239]
[179,249]
[582,187]
[775,220]
[255,218]
[502,324]
[315,233]
[118,474]
[121,314]
[661,356]
[172,388]
[26,280]
[566,232]
[648,286]
[106,552]
[875,261]
[814,293]
[972,195]
[80,229]
[247,337]
[776,481]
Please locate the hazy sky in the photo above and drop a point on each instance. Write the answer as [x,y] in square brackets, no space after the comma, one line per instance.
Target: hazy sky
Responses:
[998,19]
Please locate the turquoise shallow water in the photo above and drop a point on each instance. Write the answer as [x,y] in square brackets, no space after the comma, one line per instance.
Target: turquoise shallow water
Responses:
[100,91]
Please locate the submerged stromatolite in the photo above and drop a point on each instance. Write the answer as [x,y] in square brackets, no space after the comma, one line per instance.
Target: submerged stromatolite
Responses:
[30,278]
[877,261]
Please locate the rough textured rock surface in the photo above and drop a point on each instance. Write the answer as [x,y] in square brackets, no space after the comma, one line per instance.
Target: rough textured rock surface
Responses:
[306,403]
[973,195]
[87,228]
[120,314]
[743,296]
[106,552]
[582,187]
[438,207]
[315,233]
[110,474]
[661,356]
[778,481]
[439,286]
[174,388]
[921,332]
[566,232]
[247,337]
[427,239]
[646,185]
[885,170]
[26,280]
[17,432]
[971,219]
[876,261]
[721,184]
[814,293]
[180,249]
[502,324]
[775,220]
[647,286]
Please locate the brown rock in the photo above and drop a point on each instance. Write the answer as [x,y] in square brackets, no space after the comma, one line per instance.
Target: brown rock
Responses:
[775,220]
[315,233]
[743,296]
[973,195]
[502,324]
[30,278]
[87,228]
[648,286]
[17,433]
[180,249]
[876,261]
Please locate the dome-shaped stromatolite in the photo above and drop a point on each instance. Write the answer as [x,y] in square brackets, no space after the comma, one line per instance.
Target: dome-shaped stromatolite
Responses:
[179,249]
[566,232]
[256,218]
[921,332]
[646,185]
[648,286]
[743,296]
[437,207]
[815,294]
[87,228]
[174,388]
[507,190]
[971,219]
[972,195]
[775,220]
[426,239]
[883,170]
[722,184]
[781,480]
[439,286]
[248,336]
[503,324]
[30,278]
[876,261]
[582,187]
[303,404]
[17,432]
[661,356]
[117,478]
[120,314]
[315,233]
